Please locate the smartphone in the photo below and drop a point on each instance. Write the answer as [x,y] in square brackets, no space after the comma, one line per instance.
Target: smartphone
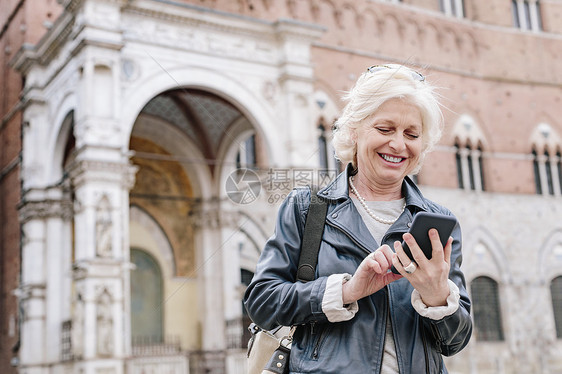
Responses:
[423,222]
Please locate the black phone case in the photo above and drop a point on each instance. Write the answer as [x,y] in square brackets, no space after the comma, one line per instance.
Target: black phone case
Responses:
[423,222]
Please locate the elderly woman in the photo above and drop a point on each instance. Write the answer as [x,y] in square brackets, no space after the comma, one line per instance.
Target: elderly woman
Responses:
[358,316]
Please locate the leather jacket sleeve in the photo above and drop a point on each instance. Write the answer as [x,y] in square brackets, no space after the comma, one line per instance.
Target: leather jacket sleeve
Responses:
[274,297]
[453,332]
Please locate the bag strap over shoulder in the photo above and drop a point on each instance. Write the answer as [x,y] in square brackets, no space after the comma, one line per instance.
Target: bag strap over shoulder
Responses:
[312,237]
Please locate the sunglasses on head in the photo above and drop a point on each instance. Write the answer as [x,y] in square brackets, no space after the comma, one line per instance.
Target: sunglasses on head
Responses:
[417,76]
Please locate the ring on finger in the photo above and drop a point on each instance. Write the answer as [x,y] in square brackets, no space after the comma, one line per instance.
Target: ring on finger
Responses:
[410,268]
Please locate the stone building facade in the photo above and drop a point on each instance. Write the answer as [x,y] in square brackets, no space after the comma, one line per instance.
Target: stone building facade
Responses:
[158,137]
[22,23]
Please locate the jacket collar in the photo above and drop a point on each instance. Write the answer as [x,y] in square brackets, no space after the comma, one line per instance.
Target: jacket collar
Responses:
[339,190]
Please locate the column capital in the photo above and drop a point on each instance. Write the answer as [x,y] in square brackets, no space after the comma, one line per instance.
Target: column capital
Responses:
[210,216]
[30,291]
[100,268]
[84,171]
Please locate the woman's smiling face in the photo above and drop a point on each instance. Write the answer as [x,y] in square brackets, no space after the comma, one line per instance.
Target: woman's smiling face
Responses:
[389,142]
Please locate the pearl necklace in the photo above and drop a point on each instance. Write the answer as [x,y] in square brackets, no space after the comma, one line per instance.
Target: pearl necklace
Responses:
[368,210]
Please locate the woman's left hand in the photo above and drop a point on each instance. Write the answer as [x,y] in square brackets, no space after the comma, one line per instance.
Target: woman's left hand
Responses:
[430,276]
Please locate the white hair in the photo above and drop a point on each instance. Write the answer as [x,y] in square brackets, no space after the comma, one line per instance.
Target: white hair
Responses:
[371,90]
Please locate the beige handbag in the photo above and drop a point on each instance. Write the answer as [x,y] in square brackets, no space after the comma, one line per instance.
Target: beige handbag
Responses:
[268,351]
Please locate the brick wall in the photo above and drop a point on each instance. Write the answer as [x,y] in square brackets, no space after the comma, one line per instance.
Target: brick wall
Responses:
[20,22]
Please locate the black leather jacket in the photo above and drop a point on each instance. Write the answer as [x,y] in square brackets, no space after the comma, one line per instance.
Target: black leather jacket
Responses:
[319,346]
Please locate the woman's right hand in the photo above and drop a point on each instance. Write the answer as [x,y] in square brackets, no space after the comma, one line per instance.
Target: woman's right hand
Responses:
[371,275]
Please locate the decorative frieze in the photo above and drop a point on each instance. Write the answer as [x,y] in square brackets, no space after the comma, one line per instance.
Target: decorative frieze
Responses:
[48,208]
[188,37]
[99,268]
[29,291]
[213,218]
[103,171]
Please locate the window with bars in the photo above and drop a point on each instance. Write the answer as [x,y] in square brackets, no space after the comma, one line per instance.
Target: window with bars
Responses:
[470,167]
[547,170]
[246,156]
[556,294]
[526,14]
[486,309]
[536,170]
[452,7]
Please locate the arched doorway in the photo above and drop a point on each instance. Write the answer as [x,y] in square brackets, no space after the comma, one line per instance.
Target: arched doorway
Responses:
[180,143]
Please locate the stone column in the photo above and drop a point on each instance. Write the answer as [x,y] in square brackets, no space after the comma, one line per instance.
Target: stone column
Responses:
[477,173]
[45,218]
[554,162]
[534,16]
[100,318]
[465,170]
[521,14]
[206,219]
[542,160]
[459,8]
[447,9]
[297,82]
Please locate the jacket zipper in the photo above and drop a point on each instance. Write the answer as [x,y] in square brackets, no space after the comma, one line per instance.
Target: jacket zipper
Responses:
[425,351]
[366,250]
[319,342]
[385,327]
[350,237]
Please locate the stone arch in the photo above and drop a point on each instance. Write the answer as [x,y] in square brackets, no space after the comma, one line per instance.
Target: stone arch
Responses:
[550,258]
[413,36]
[239,130]
[253,106]
[63,122]
[350,17]
[449,42]
[163,188]
[179,144]
[545,138]
[228,152]
[325,105]
[327,11]
[256,235]
[432,39]
[371,22]
[484,256]
[393,25]
[162,250]
[467,131]
[470,45]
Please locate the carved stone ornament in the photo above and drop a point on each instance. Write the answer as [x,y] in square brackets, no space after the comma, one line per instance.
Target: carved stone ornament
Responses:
[42,209]
[104,226]
[104,324]
[77,335]
[213,218]
[85,171]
